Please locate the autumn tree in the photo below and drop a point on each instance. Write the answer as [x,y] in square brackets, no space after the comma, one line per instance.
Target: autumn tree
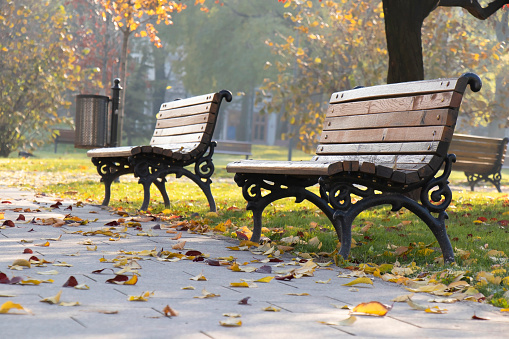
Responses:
[137,17]
[334,46]
[37,66]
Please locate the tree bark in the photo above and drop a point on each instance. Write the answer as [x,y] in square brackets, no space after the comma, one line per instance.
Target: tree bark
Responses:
[474,8]
[403,23]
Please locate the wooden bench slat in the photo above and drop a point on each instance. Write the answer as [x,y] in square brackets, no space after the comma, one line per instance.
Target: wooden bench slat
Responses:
[438,117]
[200,99]
[186,138]
[187,111]
[397,134]
[476,138]
[399,89]
[186,120]
[425,147]
[182,130]
[417,103]
[314,168]
[473,167]
[123,151]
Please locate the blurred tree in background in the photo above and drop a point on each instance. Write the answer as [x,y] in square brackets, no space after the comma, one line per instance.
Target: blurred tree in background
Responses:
[37,66]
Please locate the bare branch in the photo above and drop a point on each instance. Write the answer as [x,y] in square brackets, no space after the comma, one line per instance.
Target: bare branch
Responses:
[474,8]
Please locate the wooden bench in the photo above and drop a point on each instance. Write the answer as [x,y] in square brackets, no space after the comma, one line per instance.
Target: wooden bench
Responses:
[481,158]
[233,147]
[378,144]
[182,137]
[64,136]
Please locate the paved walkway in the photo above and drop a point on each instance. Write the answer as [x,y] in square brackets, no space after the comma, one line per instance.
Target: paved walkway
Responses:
[105,312]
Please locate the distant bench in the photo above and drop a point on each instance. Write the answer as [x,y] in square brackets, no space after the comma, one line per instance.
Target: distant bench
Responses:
[377,145]
[182,137]
[481,158]
[233,147]
[64,136]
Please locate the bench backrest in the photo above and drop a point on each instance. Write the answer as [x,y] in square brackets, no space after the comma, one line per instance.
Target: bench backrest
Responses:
[480,155]
[187,125]
[400,132]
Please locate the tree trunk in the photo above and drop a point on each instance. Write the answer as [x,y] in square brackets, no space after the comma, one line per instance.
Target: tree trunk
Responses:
[403,23]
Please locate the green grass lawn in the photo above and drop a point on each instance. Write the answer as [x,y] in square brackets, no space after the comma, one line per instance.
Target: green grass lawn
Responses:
[478,222]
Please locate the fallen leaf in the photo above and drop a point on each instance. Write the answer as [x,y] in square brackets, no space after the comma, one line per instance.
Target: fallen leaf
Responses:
[9,305]
[323,281]
[46,244]
[21,262]
[143,297]
[69,303]
[170,312]
[345,322]
[435,309]
[474,317]
[71,282]
[244,301]
[266,279]
[206,294]
[416,306]
[179,246]
[361,280]
[271,309]
[403,298]
[199,277]
[82,287]
[50,272]
[53,300]
[187,288]
[132,281]
[374,308]
[231,322]
[118,279]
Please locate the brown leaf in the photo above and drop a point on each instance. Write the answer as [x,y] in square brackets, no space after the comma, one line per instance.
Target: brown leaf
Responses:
[27,250]
[71,282]
[118,279]
[474,317]
[8,223]
[179,246]
[21,217]
[244,301]
[170,312]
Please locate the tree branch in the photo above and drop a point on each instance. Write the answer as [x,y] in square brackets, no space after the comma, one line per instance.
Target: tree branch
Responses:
[474,8]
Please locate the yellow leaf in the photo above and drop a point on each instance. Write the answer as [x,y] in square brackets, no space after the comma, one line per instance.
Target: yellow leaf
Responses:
[206,294]
[232,315]
[143,297]
[9,305]
[69,303]
[89,248]
[361,280]
[504,310]
[132,281]
[323,281]
[21,262]
[53,300]
[199,277]
[298,294]
[266,279]
[345,322]
[231,322]
[271,309]
[82,287]
[187,288]
[239,284]
[374,308]
[31,282]
[435,309]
